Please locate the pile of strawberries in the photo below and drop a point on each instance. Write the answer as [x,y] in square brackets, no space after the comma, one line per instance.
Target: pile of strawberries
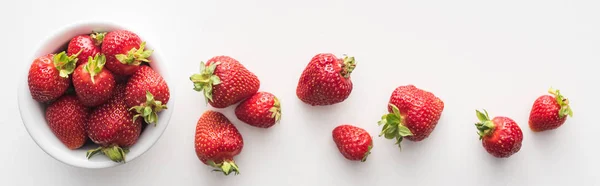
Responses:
[412,114]
[100,88]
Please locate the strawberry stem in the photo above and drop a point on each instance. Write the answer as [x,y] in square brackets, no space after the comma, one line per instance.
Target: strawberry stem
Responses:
[393,126]
[94,65]
[227,167]
[135,56]
[276,110]
[206,79]
[98,37]
[565,109]
[348,66]
[114,153]
[485,126]
[65,64]
[149,110]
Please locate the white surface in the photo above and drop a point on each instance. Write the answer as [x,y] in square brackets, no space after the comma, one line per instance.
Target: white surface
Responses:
[474,54]
[33,113]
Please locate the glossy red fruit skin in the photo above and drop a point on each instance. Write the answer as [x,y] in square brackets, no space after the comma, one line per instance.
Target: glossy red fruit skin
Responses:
[120,42]
[86,45]
[44,81]
[95,93]
[505,140]
[353,142]
[237,82]
[112,124]
[421,110]
[67,119]
[217,139]
[146,79]
[321,82]
[255,110]
[544,114]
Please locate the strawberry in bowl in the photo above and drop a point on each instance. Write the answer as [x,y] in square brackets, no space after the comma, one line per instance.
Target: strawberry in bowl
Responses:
[72,82]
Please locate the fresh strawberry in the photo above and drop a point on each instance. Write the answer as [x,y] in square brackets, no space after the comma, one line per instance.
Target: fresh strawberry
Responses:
[48,77]
[217,142]
[93,84]
[66,118]
[413,114]
[225,81]
[261,110]
[501,136]
[353,142]
[124,52]
[147,93]
[86,45]
[110,126]
[326,80]
[549,112]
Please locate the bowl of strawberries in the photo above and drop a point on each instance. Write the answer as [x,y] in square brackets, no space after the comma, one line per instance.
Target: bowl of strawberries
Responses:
[96,95]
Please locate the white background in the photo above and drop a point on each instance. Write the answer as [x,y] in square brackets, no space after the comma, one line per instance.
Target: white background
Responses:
[497,55]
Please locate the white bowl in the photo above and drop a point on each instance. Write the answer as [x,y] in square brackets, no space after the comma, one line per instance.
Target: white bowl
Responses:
[33,113]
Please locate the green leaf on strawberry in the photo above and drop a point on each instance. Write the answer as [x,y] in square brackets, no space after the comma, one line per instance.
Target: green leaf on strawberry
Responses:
[149,109]
[206,79]
[65,64]
[565,109]
[135,56]
[393,126]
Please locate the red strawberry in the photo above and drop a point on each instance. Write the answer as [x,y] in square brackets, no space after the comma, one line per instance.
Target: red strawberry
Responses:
[110,126]
[124,52]
[225,81]
[48,76]
[326,80]
[86,45]
[217,142]
[261,110]
[353,142]
[93,84]
[501,136]
[147,93]
[66,118]
[413,113]
[549,112]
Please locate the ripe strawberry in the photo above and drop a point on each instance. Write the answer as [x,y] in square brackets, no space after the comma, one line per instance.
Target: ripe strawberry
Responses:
[217,142]
[86,45]
[124,52]
[501,136]
[261,110]
[48,76]
[93,84]
[110,126]
[147,93]
[66,118]
[326,80]
[549,112]
[225,81]
[353,142]
[413,114]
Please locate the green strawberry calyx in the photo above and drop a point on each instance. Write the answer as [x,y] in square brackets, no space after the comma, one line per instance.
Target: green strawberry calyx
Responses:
[206,80]
[95,65]
[227,167]
[348,66]
[135,56]
[393,126]
[276,110]
[114,153]
[565,109]
[367,153]
[485,126]
[149,110]
[65,64]
[98,37]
